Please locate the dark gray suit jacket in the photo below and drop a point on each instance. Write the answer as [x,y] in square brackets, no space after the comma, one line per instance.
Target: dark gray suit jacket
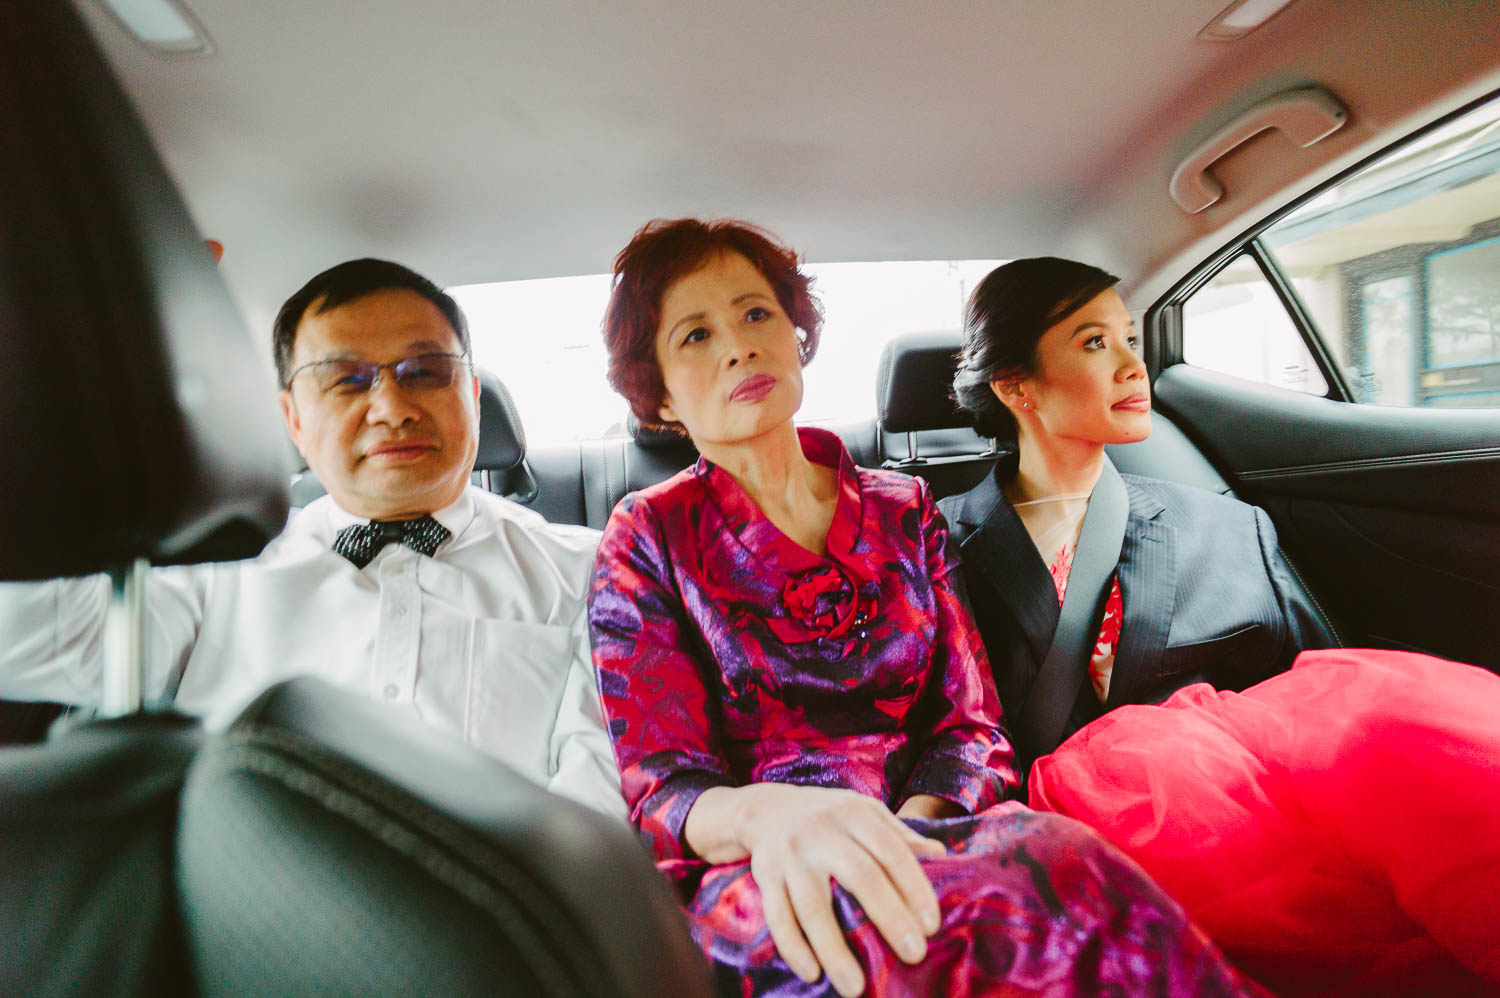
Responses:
[1207,595]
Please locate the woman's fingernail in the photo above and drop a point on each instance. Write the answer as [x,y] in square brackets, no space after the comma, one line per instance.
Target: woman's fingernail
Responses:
[912,947]
[930,921]
[848,984]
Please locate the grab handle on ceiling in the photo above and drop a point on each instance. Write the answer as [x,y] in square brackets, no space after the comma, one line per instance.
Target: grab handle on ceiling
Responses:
[1304,116]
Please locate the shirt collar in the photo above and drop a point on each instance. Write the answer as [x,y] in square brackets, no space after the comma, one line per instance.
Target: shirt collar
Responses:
[456,516]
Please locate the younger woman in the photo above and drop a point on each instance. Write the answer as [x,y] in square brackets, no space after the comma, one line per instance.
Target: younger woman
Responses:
[1335,828]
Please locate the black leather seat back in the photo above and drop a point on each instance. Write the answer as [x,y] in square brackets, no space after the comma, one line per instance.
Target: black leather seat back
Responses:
[139,422]
[331,846]
[322,847]
[125,355]
[87,823]
[616,466]
[913,383]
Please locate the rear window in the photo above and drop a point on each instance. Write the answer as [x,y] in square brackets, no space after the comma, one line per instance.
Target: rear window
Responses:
[542,338]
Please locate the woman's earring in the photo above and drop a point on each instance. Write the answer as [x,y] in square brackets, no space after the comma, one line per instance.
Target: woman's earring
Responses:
[1026,403]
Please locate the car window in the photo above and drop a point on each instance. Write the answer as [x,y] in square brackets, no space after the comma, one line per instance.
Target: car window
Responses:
[542,338]
[1397,270]
[1238,325]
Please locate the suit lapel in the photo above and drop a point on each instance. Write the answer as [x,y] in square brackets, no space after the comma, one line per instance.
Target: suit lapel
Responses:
[1148,593]
[1009,564]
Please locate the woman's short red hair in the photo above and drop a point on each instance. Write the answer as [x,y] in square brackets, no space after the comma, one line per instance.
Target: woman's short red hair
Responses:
[665,251]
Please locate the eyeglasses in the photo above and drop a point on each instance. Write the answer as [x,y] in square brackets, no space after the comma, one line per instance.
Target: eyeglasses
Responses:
[424,372]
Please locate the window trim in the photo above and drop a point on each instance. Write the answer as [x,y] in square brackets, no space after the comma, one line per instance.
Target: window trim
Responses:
[1328,365]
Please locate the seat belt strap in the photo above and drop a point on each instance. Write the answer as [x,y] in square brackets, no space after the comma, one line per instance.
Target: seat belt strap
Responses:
[1044,716]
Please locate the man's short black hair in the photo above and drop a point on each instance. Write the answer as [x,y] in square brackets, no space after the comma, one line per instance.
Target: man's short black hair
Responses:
[349,282]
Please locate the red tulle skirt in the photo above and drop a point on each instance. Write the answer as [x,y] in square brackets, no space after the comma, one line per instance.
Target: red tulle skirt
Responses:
[1336,829]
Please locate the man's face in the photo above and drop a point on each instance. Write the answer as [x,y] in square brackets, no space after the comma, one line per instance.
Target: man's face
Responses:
[392,452]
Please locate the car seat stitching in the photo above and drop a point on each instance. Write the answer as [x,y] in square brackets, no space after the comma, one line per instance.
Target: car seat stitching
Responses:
[503,892]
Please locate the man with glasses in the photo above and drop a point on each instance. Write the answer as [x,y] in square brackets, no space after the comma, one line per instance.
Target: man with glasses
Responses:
[405,583]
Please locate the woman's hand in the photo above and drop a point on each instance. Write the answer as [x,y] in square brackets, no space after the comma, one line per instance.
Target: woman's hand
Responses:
[799,837]
[929,806]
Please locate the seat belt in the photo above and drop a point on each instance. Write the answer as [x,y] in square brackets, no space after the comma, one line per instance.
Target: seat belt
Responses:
[1039,728]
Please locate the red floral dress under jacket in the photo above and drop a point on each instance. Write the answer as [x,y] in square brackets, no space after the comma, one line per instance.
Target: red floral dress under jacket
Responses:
[1102,658]
[728,654]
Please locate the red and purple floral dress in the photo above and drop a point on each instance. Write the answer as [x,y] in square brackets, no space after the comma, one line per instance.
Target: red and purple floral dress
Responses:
[728,654]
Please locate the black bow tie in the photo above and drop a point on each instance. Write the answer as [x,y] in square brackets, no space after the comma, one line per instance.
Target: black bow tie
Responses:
[363,541]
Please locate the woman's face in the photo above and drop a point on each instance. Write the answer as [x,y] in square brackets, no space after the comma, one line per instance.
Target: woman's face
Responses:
[1090,382]
[728,354]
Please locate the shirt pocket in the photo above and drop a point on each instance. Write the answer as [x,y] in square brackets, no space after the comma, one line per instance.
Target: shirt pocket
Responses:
[517,672]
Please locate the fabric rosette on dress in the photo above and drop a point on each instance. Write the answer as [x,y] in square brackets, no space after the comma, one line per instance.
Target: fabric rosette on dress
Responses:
[826,604]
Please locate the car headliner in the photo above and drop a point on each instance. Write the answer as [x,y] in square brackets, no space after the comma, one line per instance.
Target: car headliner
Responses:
[478,140]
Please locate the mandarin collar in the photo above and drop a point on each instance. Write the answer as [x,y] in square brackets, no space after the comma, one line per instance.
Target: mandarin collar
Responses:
[755,530]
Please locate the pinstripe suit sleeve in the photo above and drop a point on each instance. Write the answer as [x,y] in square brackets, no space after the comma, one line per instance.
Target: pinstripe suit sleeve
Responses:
[1306,625]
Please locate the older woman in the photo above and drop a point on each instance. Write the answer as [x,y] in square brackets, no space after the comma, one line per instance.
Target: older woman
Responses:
[1335,827]
[797,695]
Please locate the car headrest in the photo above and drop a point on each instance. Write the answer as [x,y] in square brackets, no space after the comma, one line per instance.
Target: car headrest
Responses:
[140,414]
[502,438]
[914,383]
[648,436]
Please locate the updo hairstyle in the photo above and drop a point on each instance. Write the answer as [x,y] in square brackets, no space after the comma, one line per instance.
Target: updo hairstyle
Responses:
[1007,314]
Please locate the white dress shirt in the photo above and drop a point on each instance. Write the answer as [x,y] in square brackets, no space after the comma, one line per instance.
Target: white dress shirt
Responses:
[486,640]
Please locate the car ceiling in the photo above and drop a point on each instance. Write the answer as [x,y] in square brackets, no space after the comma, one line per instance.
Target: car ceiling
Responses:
[478,140]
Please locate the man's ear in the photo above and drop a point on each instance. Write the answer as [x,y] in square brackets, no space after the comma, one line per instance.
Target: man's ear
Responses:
[293,420]
[477,420]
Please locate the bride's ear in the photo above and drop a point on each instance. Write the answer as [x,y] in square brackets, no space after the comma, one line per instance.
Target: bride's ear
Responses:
[1012,393]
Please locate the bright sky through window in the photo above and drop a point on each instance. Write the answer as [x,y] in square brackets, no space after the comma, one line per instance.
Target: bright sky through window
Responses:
[542,338]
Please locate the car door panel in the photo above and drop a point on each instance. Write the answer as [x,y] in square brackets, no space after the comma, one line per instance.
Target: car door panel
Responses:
[1392,514]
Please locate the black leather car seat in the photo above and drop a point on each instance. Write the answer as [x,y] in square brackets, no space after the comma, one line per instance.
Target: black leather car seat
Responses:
[391,862]
[334,847]
[921,431]
[615,466]
[117,325]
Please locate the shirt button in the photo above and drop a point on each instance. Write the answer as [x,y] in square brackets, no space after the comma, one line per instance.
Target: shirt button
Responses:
[392,691]
[399,610]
